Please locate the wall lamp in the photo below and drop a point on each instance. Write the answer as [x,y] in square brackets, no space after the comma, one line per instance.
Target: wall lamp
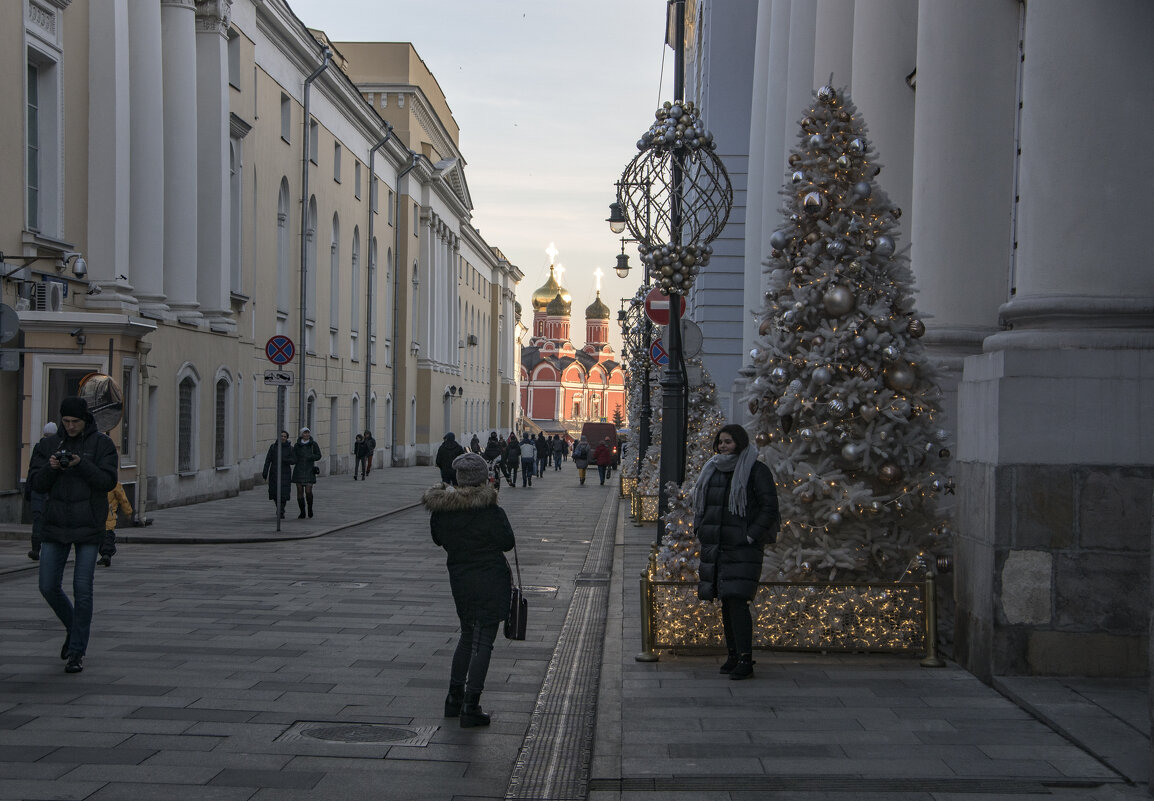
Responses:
[616,218]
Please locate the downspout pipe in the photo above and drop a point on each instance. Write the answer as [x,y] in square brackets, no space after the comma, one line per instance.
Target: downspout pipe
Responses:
[398,352]
[374,202]
[301,387]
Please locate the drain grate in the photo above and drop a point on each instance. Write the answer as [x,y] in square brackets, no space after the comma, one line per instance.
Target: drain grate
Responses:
[359,733]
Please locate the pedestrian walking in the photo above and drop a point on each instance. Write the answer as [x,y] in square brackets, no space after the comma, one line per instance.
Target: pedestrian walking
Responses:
[359,456]
[492,448]
[735,517]
[528,460]
[581,458]
[370,454]
[474,445]
[556,445]
[512,459]
[76,477]
[280,452]
[475,533]
[117,503]
[46,446]
[603,456]
[450,449]
[307,453]
[543,452]
[565,448]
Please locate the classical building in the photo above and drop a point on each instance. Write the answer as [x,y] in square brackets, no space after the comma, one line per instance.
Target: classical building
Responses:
[562,386]
[165,203]
[998,125]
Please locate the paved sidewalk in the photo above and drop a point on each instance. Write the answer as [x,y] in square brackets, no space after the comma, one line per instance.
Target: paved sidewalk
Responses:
[221,648]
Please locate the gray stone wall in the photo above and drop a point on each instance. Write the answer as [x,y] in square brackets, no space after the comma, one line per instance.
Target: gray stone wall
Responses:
[1053,569]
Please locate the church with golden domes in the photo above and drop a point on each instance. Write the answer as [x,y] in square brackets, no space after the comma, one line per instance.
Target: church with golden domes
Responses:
[561,386]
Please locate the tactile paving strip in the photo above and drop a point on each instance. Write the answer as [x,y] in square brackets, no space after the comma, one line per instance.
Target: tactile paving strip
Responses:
[558,748]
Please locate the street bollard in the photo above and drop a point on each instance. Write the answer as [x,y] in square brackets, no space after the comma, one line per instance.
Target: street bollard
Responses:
[931,604]
[647,654]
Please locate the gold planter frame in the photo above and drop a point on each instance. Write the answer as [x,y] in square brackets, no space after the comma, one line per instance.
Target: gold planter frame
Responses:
[895,617]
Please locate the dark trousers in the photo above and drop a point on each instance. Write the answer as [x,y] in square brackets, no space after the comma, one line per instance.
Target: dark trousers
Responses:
[108,543]
[738,623]
[471,659]
[526,472]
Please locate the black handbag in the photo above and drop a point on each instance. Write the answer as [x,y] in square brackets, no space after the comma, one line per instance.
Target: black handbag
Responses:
[518,606]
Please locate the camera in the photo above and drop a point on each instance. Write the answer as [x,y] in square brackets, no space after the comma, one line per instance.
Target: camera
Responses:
[64,456]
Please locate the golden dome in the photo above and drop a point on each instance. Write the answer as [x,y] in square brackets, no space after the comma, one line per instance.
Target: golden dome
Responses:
[597,310]
[543,296]
[558,307]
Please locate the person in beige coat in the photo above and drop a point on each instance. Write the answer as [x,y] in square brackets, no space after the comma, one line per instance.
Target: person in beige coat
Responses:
[117,501]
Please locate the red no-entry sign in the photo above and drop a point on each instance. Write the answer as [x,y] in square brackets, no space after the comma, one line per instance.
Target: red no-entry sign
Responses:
[657,306]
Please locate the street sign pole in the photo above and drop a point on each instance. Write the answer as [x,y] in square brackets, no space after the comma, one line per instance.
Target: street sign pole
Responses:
[279,460]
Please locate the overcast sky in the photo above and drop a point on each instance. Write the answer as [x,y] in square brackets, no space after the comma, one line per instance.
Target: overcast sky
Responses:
[551,98]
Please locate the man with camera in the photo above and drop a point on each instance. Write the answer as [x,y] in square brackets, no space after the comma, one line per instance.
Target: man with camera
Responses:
[76,477]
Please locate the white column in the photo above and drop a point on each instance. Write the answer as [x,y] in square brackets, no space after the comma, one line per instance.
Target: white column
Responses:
[963,168]
[800,81]
[178,31]
[833,45]
[214,219]
[884,53]
[109,155]
[146,256]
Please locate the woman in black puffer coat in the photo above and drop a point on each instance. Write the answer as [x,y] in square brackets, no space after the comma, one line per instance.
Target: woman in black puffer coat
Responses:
[735,517]
[474,530]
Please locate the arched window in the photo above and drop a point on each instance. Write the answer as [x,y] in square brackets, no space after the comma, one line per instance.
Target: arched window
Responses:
[222,420]
[334,284]
[311,412]
[355,297]
[283,285]
[310,344]
[187,429]
[355,422]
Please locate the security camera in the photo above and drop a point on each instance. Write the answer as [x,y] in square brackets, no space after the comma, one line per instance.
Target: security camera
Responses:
[76,332]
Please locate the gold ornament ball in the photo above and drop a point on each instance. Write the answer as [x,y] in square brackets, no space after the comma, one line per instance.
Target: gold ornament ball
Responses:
[753,404]
[889,473]
[761,439]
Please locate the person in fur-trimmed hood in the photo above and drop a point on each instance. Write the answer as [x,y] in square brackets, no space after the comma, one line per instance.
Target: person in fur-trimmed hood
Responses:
[475,532]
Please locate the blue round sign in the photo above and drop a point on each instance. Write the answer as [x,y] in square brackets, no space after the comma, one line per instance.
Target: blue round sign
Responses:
[279,349]
[657,354]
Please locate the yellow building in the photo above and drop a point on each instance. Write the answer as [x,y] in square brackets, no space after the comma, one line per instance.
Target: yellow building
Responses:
[152,229]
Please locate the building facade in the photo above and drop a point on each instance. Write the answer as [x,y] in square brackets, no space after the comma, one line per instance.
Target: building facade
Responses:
[211,214]
[994,122]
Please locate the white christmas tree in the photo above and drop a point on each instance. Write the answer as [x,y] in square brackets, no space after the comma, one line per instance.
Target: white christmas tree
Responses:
[845,401]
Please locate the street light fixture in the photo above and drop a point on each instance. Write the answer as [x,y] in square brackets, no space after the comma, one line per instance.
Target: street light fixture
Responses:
[616,218]
[622,268]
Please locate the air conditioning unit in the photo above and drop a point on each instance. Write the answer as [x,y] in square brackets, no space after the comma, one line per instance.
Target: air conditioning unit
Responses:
[47,296]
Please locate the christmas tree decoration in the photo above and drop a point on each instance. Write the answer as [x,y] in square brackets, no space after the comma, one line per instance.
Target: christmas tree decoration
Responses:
[844,400]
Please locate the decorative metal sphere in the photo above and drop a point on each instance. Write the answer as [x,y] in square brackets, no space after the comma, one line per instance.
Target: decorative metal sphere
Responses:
[761,438]
[826,94]
[821,375]
[797,177]
[836,407]
[852,451]
[813,203]
[884,246]
[889,473]
[900,377]
[836,248]
[778,375]
[916,328]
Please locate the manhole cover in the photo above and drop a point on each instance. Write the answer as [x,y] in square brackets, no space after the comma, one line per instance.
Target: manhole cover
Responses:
[359,734]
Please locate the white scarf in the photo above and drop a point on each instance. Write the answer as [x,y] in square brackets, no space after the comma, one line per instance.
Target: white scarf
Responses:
[740,464]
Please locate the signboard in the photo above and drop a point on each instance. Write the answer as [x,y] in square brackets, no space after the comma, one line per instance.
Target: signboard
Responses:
[279,378]
[657,306]
[280,349]
[691,338]
[657,353]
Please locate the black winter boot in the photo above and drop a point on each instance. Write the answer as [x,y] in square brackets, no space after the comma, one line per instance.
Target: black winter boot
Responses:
[310,506]
[730,663]
[743,669]
[471,714]
[301,506]
[454,700]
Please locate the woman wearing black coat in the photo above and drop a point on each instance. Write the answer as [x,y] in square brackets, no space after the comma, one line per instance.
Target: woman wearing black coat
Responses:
[735,517]
[475,532]
[287,460]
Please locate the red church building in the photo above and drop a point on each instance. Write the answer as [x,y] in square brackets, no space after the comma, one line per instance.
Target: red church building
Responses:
[561,386]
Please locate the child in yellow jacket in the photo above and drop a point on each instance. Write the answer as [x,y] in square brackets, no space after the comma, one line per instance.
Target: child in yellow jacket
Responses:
[117,500]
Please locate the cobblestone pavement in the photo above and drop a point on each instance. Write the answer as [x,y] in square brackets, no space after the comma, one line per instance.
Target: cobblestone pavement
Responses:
[232,662]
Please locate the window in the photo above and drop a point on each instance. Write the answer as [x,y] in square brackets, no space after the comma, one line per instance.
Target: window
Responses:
[233,58]
[373,193]
[355,296]
[186,425]
[283,296]
[391,207]
[43,163]
[128,404]
[33,147]
[235,189]
[221,421]
[311,412]
[416,220]
[311,256]
[314,141]
[334,286]
[357,179]
[286,118]
[371,311]
[337,162]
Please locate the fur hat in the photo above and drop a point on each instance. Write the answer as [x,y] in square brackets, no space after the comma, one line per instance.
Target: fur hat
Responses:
[471,470]
[74,406]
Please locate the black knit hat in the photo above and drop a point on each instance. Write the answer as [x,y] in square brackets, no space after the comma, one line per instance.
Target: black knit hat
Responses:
[72,406]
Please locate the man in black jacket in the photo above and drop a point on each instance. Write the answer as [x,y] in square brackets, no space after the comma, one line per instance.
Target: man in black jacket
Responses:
[77,478]
[450,449]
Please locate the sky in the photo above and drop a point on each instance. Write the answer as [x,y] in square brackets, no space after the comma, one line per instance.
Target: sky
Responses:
[551,98]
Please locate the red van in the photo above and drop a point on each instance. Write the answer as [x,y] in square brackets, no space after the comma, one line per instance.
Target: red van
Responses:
[596,433]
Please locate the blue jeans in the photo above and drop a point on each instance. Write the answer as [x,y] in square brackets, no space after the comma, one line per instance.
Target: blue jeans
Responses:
[601,468]
[527,472]
[77,619]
